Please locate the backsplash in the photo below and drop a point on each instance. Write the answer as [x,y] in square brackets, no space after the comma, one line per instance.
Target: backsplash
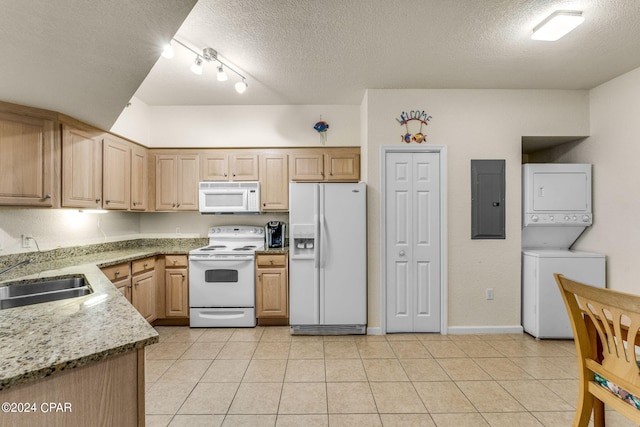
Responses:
[79,251]
[69,228]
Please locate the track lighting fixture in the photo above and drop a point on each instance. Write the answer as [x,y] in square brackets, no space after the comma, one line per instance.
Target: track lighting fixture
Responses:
[167,52]
[197,66]
[241,86]
[209,55]
[222,76]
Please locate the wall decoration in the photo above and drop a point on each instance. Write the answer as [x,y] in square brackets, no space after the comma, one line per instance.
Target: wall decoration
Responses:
[322,127]
[417,119]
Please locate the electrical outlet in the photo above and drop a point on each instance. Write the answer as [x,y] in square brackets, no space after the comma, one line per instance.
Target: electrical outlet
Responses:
[489,293]
[26,240]
[177,230]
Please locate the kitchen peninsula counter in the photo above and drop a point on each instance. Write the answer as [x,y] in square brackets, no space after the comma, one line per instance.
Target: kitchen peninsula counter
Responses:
[41,340]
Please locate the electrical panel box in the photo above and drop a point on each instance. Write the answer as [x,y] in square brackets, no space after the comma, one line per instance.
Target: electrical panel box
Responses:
[488,199]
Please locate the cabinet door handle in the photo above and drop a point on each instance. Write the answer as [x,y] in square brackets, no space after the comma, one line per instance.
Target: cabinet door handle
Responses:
[47,196]
[145,265]
[129,286]
[225,174]
[134,203]
[137,283]
[107,201]
[173,205]
[271,260]
[331,173]
[178,205]
[98,200]
[174,262]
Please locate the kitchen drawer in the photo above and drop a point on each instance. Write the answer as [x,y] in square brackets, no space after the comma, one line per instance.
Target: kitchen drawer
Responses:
[117,272]
[144,264]
[176,261]
[269,260]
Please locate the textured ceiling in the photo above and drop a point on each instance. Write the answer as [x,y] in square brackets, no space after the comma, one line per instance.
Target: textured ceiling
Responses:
[87,58]
[330,51]
[84,58]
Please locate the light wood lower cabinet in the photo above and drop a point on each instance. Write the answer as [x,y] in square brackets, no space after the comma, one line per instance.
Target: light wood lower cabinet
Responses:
[143,280]
[108,392]
[120,276]
[137,282]
[272,289]
[176,285]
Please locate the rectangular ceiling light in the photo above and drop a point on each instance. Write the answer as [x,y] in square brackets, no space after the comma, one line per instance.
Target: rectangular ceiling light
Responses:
[557,25]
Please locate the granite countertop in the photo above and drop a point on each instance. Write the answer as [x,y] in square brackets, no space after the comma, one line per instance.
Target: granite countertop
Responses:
[40,340]
[284,250]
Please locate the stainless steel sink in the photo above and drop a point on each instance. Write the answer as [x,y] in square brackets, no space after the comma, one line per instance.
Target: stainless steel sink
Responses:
[26,293]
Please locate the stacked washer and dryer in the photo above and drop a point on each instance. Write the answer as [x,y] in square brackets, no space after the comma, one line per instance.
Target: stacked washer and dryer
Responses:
[556,210]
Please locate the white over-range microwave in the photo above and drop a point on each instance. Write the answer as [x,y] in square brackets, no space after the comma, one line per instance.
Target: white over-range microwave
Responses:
[229,197]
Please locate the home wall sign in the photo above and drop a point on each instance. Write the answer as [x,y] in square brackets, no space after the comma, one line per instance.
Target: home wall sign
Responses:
[415,119]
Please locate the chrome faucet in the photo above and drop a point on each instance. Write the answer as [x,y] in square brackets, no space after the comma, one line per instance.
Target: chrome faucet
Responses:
[11,267]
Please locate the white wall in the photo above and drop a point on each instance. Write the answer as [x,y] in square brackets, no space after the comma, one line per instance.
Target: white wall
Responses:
[472,124]
[56,228]
[613,149]
[135,122]
[253,125]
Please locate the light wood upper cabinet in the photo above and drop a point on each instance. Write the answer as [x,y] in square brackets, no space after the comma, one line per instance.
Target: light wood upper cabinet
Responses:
[330,164]
[81,168]
[342,166]
[243,167]
[27,153]
[139,178]
[177,182]
[274,182]
[226,165]
[215,166]
[307,166]
[116,173]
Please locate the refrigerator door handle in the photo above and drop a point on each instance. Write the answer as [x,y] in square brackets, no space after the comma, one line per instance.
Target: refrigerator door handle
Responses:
[316,255]
[323,240]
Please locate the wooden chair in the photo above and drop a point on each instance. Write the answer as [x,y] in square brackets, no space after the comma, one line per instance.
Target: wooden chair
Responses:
[603,321]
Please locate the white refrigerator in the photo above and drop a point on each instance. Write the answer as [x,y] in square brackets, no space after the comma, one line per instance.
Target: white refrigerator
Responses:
[327,258]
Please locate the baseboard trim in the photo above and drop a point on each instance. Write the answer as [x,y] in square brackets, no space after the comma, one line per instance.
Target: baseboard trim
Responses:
[374,331]
[477,330]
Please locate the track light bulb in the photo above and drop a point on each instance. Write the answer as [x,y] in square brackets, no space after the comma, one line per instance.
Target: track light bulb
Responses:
[241,86]
[197,66]
[222,75]
[167,51]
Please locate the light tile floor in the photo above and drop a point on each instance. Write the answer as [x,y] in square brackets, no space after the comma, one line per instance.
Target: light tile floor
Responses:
[266,377]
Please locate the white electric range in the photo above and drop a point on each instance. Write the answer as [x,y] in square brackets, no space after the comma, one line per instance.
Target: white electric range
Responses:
[222,278]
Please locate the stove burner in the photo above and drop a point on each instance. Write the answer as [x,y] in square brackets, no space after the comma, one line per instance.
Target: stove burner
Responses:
[213,248]
[245,248]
